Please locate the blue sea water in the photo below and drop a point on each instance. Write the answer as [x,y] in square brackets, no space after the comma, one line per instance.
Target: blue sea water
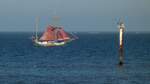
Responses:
[91,59]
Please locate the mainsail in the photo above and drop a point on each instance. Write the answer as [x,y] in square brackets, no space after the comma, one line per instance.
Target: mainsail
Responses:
[54,34]
[48,34]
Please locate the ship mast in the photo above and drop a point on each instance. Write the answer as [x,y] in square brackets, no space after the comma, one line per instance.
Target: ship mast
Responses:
[36,28]
[55,21]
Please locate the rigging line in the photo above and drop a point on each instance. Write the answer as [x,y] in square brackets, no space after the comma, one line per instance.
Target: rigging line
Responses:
[74,35]
[55,17]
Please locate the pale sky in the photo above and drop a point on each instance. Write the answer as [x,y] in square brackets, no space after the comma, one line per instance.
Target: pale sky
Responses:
[75,15]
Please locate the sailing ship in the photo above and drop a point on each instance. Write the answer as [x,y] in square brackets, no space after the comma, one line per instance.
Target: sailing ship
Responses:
[53,36]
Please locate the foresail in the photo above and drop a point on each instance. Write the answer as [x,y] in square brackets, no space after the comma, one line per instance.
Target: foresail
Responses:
[64,35]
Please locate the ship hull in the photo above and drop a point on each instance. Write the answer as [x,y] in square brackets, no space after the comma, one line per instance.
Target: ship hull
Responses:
[49,43]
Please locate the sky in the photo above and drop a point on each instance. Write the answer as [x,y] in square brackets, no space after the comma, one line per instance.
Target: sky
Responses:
[75,15]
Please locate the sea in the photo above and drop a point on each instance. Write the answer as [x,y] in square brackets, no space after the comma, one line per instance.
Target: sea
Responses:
[90,59]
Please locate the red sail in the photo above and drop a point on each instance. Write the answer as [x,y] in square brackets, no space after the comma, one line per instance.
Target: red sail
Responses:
[59,36]
[63,34]
[48,34]
[54,33]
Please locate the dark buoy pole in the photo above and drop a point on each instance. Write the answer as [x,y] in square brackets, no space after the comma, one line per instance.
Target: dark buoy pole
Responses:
[121,43]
